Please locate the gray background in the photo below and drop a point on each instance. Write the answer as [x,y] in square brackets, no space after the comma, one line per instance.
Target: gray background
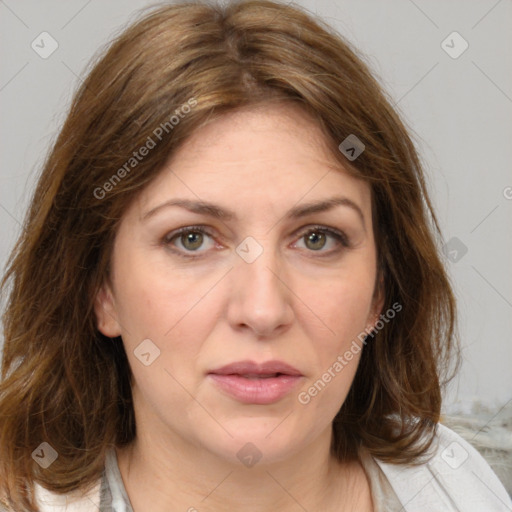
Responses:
[459,111]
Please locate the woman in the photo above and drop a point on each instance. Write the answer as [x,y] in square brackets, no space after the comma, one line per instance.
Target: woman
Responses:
[228,293]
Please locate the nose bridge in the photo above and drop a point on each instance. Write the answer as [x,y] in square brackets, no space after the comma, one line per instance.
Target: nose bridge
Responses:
[259,278]
[259,298]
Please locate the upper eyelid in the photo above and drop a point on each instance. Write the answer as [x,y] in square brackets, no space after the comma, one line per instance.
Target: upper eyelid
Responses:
[188,229]
[338,234]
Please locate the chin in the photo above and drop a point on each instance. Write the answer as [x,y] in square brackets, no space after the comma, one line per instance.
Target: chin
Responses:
[256,441]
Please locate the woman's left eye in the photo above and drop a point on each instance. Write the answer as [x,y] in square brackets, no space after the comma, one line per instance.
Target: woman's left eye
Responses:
[320,239]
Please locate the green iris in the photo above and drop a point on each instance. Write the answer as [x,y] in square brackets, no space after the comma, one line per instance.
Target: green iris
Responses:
[315,240]
[192,240]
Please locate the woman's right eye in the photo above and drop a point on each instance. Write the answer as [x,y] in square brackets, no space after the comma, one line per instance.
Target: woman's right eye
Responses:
[192,239]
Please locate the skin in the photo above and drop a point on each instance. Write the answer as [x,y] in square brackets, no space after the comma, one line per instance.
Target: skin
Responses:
[299,302]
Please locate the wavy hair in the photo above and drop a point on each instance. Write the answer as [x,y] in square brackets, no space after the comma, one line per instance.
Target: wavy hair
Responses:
[65,383]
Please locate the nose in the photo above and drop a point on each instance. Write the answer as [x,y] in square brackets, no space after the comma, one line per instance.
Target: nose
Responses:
[260,297]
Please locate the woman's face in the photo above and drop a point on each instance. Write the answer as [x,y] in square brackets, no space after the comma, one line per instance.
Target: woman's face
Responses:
[251,249]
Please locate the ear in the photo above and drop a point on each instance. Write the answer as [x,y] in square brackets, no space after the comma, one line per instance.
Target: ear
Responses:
[377,303]
[106,313]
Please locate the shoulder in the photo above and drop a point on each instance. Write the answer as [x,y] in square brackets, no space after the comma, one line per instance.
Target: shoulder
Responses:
[76,501]
[455,478]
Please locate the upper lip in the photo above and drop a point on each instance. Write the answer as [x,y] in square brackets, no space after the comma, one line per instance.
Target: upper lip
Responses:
[253,368]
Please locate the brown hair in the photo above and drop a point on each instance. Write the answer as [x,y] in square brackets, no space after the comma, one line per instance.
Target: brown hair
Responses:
[65,383]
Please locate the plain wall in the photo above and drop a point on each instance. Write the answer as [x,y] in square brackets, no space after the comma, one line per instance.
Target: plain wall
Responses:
[459,111]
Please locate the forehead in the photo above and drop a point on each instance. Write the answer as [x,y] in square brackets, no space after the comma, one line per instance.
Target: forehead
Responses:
[263,157]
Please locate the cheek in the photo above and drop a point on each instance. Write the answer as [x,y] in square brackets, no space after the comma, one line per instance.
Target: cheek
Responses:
[152,298]
[176,313]
[177,323]
[341,307]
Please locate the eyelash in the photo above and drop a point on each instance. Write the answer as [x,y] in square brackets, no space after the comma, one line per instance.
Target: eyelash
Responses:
[339,236]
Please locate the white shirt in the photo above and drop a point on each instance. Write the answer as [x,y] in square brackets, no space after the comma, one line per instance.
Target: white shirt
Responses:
[456,478]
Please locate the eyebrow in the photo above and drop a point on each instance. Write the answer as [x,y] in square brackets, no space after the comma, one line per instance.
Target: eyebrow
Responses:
[213,210]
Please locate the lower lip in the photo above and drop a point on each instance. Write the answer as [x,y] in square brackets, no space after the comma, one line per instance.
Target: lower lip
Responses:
[256,391]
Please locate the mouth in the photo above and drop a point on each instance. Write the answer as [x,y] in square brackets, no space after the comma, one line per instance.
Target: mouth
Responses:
[252,383]
[260,376]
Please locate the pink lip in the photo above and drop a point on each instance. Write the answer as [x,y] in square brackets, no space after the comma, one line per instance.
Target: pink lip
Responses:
[240,380]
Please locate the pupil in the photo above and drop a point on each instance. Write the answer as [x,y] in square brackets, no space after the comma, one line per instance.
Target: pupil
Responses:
[315,241]
[192,240]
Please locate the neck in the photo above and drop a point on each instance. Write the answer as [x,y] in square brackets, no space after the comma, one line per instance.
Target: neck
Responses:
[175,476]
